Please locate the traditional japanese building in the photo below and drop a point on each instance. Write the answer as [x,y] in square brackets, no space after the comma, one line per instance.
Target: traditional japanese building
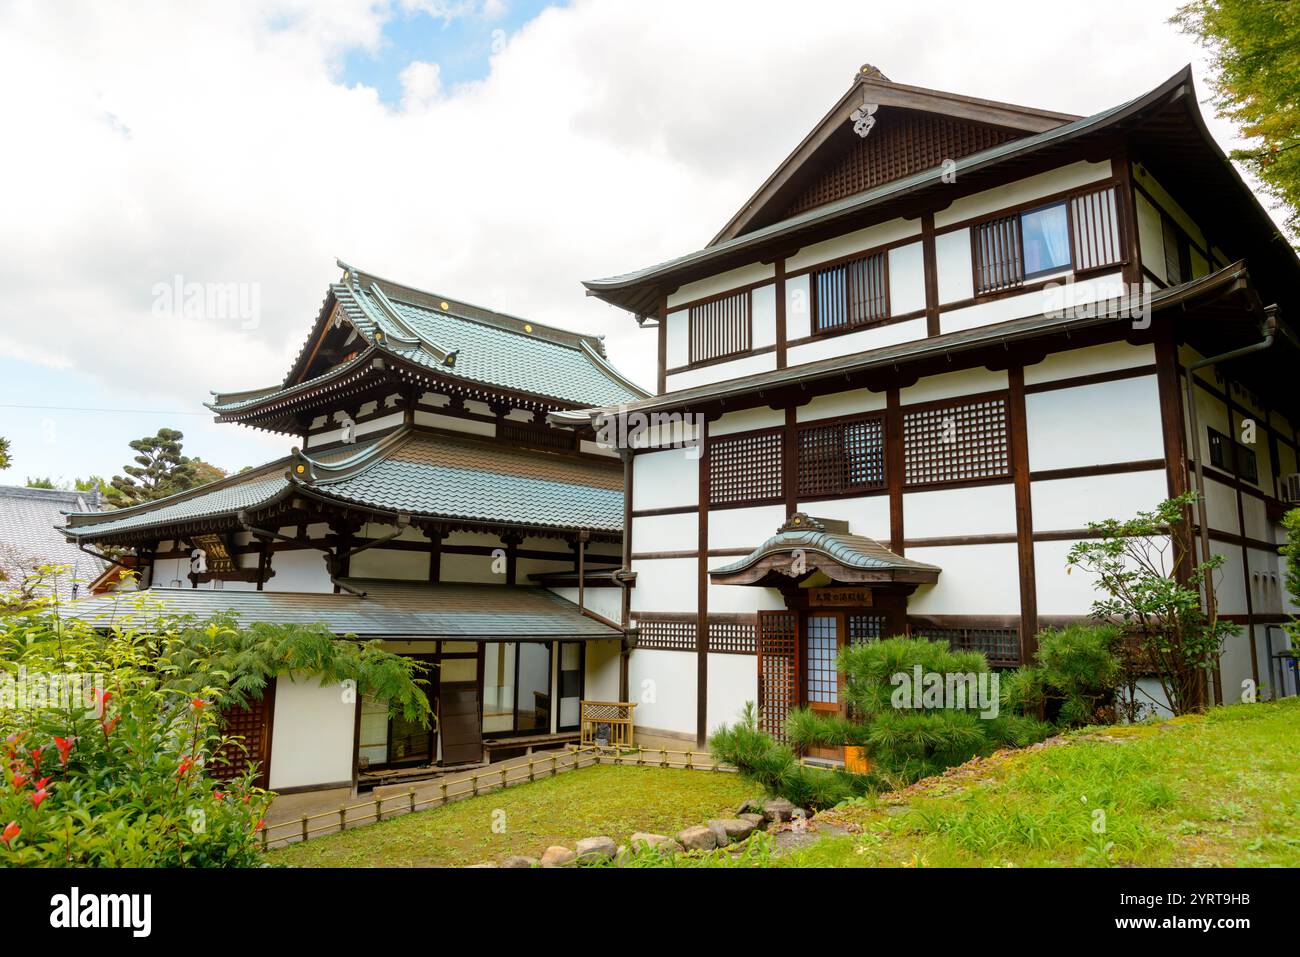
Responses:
[939,340]
[428,504]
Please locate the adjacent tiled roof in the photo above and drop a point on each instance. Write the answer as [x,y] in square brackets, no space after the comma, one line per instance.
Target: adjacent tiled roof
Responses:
[28,535]
[406,472]
[421,328]
[389,610]
[435,475]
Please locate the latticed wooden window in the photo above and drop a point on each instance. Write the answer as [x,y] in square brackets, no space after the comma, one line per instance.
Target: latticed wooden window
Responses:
[821,650]
[1000,645]
[851,294]
[731,637]
[999,263]
[720,328]
[666,633]
[956,442]
[842,457]
[864,629]
[778,669]
[1096,229]
[527,434]
[745,468]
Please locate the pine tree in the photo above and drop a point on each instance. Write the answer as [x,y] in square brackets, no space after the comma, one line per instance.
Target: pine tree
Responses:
[159,470]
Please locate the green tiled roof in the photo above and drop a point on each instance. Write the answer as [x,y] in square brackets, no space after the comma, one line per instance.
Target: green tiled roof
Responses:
[389,610]
[491,349]
[407,472]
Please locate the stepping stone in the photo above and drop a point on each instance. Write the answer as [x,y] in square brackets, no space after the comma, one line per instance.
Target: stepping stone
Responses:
[519,860]
[697,839]
[733,830]
[777,809]
[755,819]
[558,856]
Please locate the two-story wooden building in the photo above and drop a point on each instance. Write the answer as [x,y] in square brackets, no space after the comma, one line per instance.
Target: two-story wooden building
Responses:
[430,505]
[940,339]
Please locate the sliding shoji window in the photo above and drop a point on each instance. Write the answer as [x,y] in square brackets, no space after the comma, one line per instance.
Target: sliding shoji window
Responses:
[999,262]
[851,294]
[720,328]
[1096,229]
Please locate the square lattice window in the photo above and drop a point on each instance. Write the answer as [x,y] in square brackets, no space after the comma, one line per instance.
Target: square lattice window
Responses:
[956,442]
[842,457]
[745,468]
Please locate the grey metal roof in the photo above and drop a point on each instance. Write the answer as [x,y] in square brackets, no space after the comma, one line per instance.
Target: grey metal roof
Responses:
[389,610]
[28,535]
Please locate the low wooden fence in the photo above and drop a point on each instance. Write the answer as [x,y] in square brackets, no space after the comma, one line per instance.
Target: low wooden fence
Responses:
[484,781]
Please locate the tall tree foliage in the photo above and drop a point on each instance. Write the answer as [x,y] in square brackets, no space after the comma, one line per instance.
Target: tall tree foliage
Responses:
[1135,562]
[159,470]
[5,460]
[1291,550]
[1255,48]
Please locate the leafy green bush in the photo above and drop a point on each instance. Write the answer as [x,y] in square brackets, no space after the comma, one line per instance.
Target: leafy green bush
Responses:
[119,780]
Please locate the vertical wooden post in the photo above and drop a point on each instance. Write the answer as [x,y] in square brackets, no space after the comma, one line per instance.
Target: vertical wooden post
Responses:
[1019,439]
[702,594]
[931,269]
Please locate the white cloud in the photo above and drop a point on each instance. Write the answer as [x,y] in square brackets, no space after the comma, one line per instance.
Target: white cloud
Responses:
[216,141]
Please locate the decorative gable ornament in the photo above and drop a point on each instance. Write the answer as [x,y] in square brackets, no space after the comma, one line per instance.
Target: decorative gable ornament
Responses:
[864,119]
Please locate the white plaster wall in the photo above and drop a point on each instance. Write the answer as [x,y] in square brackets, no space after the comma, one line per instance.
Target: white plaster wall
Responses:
[659,429]
[311,737]
[733,681]
[721,372]
[798,313]
[854,342]
[722,282]
[952,385]
[455,423]
[1151,243]
[664,584]
[906,279]
[953,266]
[390,564]
[838,404]
[1022,191]
[744,527]
[1047,300]
[1090,360]
[606,602]
[1235,667]
[868,515]
[976,580]
[740,599]
[1067,504]
[747,420]
[663,685]
[858,241]
[763,315]
[1221,507]
[601,680]
[666,479]
[972,510]
[381,424]
[300,570]
[1095,424]
[665,533]
[1061,592]
[679,338]
[1166,202]
[1229,587]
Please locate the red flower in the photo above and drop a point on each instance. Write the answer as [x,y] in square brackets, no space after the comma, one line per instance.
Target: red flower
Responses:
[65,748]
[260,824]
[36,757]
[185,766]
[197,704]
[218,795]
[40,785]
[110,725]
[19,781]
[39,796]
[11,831]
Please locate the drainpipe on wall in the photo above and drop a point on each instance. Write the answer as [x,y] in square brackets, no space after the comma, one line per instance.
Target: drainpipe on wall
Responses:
[1269,332]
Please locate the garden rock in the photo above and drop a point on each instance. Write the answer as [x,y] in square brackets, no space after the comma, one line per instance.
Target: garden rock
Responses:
[755,819]
[777,809]
[733,829]
[558,856]
[753,804]
[519,860]
[697,839]
[593,849]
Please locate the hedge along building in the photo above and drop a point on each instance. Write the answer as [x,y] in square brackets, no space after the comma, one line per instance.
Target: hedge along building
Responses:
[940,339]
[455,524]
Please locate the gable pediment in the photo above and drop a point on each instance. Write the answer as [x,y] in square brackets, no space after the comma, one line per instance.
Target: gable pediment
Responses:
[878,132]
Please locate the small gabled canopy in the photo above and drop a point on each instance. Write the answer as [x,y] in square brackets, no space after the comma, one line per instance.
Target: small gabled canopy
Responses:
[805,546]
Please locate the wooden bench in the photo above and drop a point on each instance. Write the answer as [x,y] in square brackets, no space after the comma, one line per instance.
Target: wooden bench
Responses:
[528,742]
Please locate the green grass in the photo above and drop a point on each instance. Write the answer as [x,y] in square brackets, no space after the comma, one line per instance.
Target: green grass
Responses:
[1221,789]
[604,800]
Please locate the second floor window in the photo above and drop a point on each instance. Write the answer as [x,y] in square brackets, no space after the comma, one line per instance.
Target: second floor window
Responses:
[1233,456]
[842,457]
[851,294]
[720,327]
[956,441]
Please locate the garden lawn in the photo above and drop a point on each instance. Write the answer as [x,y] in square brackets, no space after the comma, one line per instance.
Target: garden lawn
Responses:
[604,800]
[1220,789]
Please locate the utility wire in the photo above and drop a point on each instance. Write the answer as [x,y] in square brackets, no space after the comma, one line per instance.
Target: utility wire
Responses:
[75,408]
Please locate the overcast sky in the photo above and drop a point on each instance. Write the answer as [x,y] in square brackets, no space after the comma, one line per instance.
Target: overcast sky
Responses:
[496,152]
